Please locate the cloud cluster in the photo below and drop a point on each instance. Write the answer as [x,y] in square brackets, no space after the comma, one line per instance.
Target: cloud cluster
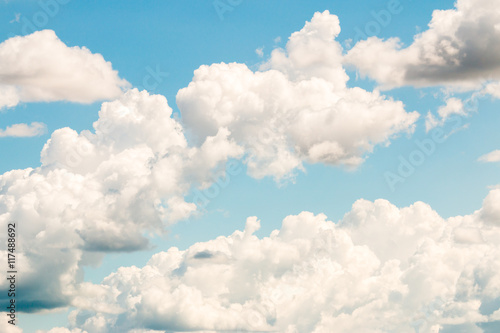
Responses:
[109,189]
[297,108]
[102,191]
[379,269]
[41,68]
[461,48]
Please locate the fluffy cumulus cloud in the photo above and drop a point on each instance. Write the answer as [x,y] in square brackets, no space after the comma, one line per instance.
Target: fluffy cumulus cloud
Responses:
[102,191]
[24,130]
[379,269]
[297,108]
[461,48]
[40,67]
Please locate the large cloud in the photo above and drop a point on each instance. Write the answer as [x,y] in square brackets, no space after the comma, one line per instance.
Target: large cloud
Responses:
[40,67]
[296,108]
[102,191]
[461,48]
[380,269]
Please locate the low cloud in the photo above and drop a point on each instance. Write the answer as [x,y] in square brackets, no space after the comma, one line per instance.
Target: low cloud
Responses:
[379,269]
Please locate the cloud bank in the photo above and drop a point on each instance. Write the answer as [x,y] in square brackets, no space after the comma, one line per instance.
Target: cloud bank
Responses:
[379,269]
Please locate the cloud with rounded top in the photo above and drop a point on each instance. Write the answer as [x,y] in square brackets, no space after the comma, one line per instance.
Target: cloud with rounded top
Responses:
[297,108]
[40,68]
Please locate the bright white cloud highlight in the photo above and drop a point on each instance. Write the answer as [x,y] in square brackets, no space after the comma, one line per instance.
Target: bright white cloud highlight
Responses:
[41,68]
[296,109]
[380,269]
[24,130]
[460,48]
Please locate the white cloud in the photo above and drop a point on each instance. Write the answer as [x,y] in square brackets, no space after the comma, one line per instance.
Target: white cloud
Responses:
[9,96]
[494,156]
[491,208]
[41,68]
[453,106]
[101,191]
[296,109]
[493,89]
[460,48]
[24,130]
[380,269]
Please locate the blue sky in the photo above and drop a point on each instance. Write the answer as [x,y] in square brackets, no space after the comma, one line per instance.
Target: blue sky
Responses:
[174,38]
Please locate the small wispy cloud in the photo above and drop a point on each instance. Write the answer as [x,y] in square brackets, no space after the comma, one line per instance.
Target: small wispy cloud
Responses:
[494,156]
[17,18]
[260,52]
[453,106]
[24,130]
